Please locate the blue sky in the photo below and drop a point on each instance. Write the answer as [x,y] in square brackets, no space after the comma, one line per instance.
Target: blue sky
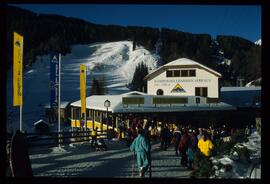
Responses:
[243,21]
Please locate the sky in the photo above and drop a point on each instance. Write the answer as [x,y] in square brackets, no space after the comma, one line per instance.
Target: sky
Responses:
[237,20]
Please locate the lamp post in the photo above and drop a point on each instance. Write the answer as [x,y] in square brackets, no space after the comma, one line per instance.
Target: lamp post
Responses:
[107,104]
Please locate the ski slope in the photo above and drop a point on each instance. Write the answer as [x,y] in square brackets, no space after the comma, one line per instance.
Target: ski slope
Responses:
[113,61]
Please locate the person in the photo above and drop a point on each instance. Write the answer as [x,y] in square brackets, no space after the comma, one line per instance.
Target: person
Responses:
[94,136]
[205,145]
[192,145]
[233,130]
[164,138]
[247,130]
[153,133]
[253,129]
[183,145]
[177,137]
[141,147]
[200,135]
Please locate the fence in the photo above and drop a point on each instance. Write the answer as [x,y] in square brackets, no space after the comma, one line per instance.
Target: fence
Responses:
[54,138]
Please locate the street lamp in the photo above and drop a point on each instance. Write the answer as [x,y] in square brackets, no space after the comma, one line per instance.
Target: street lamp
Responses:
[107,104]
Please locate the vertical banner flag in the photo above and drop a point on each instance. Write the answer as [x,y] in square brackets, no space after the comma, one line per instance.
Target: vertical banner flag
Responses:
[54,78]
[17,70]
[83,89]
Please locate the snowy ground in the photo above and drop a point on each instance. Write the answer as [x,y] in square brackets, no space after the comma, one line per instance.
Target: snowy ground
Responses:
[241,169]
[81,161]
[113,61]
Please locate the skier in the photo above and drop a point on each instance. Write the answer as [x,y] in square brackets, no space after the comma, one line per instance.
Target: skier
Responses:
[141,147]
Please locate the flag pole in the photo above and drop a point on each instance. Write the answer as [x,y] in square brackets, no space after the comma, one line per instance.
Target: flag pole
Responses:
[59,103]
[85,122]
[21,118]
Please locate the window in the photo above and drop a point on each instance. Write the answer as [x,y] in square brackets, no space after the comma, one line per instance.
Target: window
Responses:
[169,73]
[76,114]
[184,73]
[181,73]
[176,73]
[159,92]
[192,73]
[201,91]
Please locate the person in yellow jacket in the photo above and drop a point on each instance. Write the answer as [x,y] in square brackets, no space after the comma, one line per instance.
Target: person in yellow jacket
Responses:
[205,145]
[94,137]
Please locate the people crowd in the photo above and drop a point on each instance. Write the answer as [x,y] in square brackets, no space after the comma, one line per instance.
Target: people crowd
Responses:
[186,140]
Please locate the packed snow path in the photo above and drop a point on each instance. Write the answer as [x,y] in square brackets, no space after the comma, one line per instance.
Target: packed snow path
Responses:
[82,161]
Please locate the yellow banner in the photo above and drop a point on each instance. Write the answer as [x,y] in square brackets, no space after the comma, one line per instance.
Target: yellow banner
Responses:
[83,89]
[17,70]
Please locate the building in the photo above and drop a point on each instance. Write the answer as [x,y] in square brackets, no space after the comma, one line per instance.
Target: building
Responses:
[134,104]
[52,115]
[184,77]
[180,92]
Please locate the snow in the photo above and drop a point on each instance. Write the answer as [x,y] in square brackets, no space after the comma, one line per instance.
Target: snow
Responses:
[258,42]
[252,83]
[115,61]
[40,121]
[80,160]
[241,169]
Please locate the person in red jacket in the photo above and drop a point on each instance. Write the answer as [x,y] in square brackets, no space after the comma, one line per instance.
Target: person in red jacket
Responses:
[183,146]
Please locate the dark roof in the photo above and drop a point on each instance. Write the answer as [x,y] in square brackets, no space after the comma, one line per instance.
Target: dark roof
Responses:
[241,97]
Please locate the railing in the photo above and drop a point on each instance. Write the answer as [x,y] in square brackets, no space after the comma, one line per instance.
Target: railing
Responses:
[56,138]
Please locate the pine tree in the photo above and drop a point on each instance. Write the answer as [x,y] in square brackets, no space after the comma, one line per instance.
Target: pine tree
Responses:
[138,83]
[98,87]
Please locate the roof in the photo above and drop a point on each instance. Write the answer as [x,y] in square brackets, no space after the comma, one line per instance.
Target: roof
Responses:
[240,88]
[183,62]
[41,121]
[241,96]
[63,105]
[97,102]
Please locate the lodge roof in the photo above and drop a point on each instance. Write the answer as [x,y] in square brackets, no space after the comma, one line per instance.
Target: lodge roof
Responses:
[182,63]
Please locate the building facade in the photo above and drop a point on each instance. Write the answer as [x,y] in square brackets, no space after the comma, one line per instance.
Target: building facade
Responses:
[184,77]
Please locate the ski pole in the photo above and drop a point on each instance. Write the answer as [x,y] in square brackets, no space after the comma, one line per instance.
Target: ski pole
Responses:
[133,163]
[150,164]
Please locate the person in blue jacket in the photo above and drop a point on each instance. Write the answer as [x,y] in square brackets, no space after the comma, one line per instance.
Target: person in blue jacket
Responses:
[141,147]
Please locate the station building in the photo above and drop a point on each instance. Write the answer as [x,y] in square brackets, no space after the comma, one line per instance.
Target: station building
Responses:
[184,77]
[180,92]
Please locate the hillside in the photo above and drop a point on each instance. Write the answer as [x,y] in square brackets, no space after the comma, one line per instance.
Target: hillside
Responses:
[113,61]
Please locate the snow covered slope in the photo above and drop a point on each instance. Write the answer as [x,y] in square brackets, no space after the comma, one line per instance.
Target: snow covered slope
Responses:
[258,42]
[114,61]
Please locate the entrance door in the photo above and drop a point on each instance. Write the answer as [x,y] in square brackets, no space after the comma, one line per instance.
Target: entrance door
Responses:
[201,91]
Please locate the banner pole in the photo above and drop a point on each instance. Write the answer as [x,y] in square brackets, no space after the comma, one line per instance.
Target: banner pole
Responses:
[21,118]
[85,122]
[59,103]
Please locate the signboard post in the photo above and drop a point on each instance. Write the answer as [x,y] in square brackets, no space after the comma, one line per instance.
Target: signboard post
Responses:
[17,73]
